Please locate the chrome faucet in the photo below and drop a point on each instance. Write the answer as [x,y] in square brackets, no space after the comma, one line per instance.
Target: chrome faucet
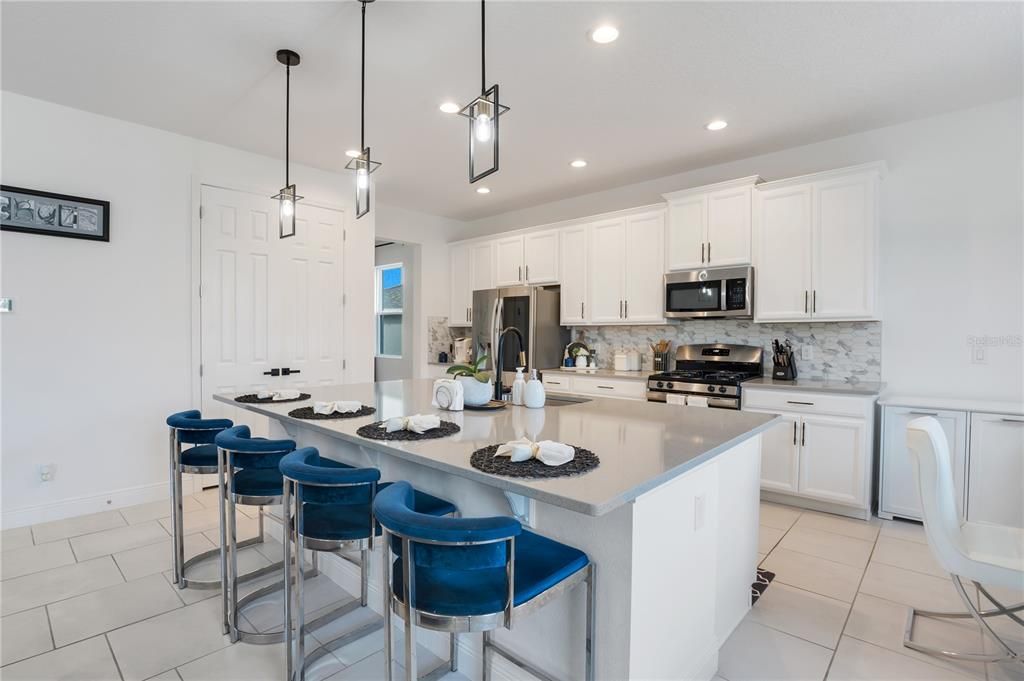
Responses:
[499,361]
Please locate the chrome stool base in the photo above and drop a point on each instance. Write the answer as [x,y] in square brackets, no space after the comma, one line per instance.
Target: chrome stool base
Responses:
[187,583]
[979,616]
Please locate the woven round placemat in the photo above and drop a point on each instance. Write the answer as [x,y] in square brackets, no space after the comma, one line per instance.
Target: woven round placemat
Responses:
[252,399]
[373,431]
[310,415]
[484,460]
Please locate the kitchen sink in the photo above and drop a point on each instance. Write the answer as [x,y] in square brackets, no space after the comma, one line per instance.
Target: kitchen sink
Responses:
[562,401]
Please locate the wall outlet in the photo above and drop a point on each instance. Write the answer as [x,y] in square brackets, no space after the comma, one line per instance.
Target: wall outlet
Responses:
[978,356]
[807,353]
[47,472]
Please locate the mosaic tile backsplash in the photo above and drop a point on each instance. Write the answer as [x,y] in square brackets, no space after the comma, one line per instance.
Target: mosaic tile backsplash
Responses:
[439,337]
[843,351]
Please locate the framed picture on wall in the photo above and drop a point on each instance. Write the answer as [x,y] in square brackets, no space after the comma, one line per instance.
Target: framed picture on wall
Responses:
[38,212]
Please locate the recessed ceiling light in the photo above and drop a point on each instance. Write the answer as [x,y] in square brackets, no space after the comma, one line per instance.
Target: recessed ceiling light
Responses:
[449,107]
[483,190]
[716,125]
[352,153]
[579,163]
[604,34]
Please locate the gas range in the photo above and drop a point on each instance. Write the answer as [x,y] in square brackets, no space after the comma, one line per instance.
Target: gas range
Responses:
[713,371]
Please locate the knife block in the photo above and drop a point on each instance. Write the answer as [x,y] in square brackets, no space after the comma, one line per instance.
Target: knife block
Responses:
[784,373]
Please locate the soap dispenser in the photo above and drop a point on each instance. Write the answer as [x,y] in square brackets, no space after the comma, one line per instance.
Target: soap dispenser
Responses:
[518,387]
[533,395]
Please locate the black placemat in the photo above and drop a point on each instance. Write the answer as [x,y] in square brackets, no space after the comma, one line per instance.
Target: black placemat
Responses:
[310,415]
[484,460]
[252,399]
[373,431]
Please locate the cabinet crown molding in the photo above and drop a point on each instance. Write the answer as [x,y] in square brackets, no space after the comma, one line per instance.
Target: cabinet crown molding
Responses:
[750,180]
[879,167]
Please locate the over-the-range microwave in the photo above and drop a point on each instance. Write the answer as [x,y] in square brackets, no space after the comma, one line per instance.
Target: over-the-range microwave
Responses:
[710,293]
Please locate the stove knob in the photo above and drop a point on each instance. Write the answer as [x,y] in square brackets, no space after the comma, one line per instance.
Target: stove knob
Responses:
[662,385]
[721,388]
[711,388]
[670,385]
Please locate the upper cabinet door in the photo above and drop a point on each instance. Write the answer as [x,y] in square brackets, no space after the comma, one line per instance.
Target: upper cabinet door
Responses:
[541,257]
[782,253]
[508,257]
[607,270]
[728,227]
[687,227]
[482,266]
[645,279]
[845,238]
[461,296]
[573,256]
[996,469]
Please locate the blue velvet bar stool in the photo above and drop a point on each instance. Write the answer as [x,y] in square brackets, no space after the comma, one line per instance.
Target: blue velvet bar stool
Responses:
[472,574]
[247,475]
[190,428]
[331,507]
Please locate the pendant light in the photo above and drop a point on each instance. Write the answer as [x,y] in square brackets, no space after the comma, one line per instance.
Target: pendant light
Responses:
[363,164]
[287,196]
[483,114]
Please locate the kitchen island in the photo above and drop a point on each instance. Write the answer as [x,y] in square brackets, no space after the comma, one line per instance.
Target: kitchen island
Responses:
[669,517]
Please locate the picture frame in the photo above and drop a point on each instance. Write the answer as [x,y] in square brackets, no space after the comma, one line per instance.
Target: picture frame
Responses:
[32,211]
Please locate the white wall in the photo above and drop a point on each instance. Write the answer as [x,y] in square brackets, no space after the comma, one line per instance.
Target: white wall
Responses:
[952,240]
[100,348]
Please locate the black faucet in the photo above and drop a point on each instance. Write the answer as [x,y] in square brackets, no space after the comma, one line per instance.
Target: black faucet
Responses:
[499,362]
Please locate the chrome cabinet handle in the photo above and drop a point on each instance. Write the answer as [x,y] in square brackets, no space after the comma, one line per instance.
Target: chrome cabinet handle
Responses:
[805,302]
[527,272]
[620,309]
[626,314]
[606,387]
[924,413]
[809,404]
[814,300]
[794,433]
[709,251]
[520,273]
[581,310]
[1006,420]
[803,434]
[702,252]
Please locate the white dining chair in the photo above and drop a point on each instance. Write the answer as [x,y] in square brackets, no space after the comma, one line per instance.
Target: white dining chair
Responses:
[982,553]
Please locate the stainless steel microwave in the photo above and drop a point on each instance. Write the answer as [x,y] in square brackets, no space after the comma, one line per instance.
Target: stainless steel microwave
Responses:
[709,293]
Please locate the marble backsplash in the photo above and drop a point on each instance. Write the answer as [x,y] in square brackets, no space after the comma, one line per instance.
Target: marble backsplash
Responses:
[842,351]
[439,337]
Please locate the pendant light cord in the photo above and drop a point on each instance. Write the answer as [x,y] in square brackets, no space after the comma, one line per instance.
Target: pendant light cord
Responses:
[362,89]
[287,119]
[483,48]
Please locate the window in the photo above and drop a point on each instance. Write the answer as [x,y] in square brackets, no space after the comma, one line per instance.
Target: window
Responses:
[389,304]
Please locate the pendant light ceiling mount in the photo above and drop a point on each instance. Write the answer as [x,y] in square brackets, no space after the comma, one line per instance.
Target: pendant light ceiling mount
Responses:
[483,114]
[287,197]
[363,164]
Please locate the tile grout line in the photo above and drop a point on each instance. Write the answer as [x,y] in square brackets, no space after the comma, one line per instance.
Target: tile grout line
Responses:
[49,623]
[849,612]
[117,664]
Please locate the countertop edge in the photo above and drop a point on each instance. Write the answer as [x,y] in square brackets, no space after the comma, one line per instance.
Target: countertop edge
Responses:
[641,375]
[869,389]
[953,404]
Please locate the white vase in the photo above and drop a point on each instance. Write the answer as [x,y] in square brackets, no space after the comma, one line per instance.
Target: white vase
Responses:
[475,393]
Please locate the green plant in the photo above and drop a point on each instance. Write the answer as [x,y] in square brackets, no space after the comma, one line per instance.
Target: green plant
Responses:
[473,370]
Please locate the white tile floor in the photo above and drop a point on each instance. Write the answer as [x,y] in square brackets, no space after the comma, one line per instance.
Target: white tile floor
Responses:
[91,598]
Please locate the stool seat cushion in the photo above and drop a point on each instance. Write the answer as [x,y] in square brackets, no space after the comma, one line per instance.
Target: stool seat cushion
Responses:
[258,482]
[540,563]
[346,522]
[200,455]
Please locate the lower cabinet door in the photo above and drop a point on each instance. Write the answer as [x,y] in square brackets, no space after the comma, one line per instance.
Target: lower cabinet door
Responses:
[833,459]
[996,470]
[780,456]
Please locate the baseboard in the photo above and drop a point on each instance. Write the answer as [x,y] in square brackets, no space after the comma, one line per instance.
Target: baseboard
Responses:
[815,505]
[69,508]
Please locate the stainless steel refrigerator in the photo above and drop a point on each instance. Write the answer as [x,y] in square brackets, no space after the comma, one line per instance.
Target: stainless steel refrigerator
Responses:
[534,310]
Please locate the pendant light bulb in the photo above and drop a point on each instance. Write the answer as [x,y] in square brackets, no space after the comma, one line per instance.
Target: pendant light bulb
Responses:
[362,178]
[483,127]
[287,208]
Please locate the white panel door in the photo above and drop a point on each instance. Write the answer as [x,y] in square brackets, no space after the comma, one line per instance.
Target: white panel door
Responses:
[844,234]
[782,254]
[573,270]
[461,296]
[996,470]
[645,275]
[780,455]
[541,250]
[508,258]
[899,491]
[728,232]
[832,459]
[607,270]
[267,303]
[687,229]
[482,267]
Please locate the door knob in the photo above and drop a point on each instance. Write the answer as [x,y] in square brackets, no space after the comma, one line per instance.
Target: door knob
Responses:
[272,372]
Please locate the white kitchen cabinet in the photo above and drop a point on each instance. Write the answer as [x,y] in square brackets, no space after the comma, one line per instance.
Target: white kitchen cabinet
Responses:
[832,459]
[898,494]
[607,270]
[595,386]
[710,226]
[780,456]
[996,469]
[815,246]
[481,266]
[645,283]
[573,270]
[541,257]
[461,294]
[509,260]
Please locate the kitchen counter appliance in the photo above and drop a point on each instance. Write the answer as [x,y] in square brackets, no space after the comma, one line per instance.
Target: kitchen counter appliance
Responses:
[715,371]
[710,293]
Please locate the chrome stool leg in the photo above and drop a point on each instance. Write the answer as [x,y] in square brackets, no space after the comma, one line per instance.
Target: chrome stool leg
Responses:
[222,524]
[286,537]
[174,477]
[386,565]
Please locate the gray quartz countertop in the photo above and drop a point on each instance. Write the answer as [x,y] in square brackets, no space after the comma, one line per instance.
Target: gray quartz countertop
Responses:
[600,373]
[641,444]
[815,385]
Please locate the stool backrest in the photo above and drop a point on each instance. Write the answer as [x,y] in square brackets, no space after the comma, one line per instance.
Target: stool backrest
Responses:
[322,481]
[252,452]
[929,452]
[191,428]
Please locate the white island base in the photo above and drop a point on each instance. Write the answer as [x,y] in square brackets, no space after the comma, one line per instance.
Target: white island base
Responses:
[674,566]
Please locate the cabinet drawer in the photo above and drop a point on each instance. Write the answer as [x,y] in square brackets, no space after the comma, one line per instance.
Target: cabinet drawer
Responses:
[557,383]
[604,387]
[807,403]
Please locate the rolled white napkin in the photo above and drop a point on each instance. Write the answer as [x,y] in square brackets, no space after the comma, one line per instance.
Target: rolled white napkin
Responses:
[696,401]
[417,423]
[337,406]
[548,452]
[672,398]
[278,394]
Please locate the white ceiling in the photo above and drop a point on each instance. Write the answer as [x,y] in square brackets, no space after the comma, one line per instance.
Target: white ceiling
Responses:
[782,74]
